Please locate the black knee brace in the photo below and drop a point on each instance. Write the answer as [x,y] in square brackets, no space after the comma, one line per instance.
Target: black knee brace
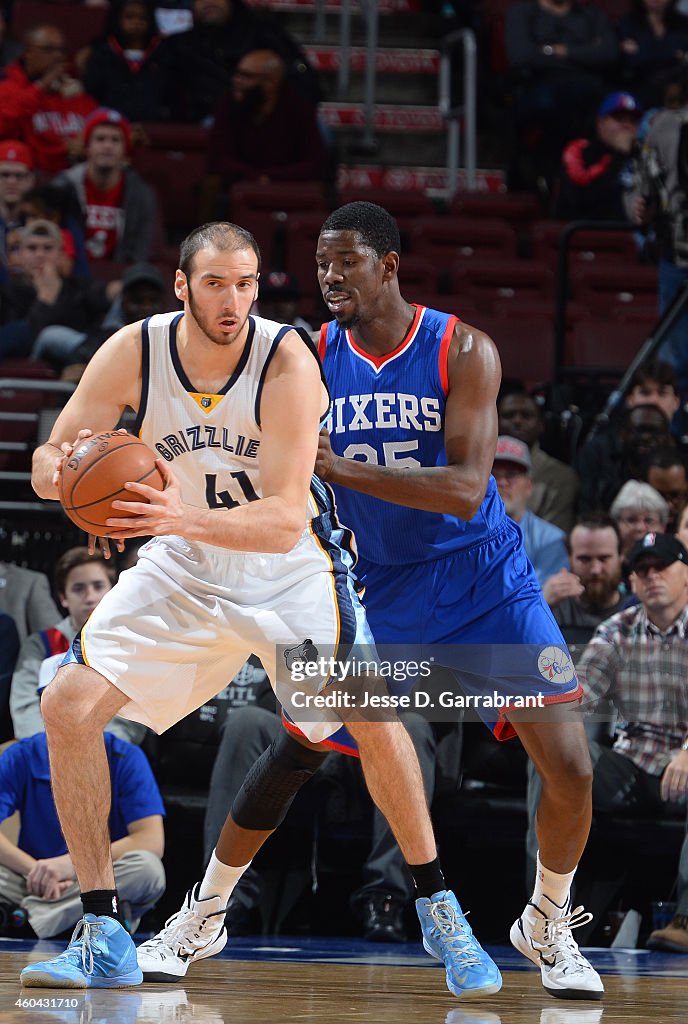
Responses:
[273,781]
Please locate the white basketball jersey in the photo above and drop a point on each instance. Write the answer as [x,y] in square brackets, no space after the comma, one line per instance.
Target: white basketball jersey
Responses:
[211,441]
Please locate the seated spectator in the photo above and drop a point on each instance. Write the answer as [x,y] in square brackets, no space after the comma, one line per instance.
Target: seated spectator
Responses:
[121,70]
[81,581]
[25,597]
[387,886]
[42,296]
[40,103]
[198,64]
[654,44]
[637,661]
[588,593]
[278,299]
[558,52]
[143,294]
[665,470]
[544,543]
[9,649]
[253,137]
[555,484]
[608,460]
[638,509]
[118,207]
[37,875]
[16,179]
[595,173]
[59,205]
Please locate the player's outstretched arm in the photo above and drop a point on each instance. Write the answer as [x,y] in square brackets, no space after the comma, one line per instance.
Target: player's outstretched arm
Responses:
[110,383]
[470,435]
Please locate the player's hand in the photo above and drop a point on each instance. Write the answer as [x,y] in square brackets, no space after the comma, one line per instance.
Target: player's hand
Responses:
[675,779]
[326,459]
[67,450]
[164,513]
[103,543]
[45,876]
[561,585]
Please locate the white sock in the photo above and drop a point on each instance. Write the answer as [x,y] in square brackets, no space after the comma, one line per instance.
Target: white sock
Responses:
[220,880]
[555,887]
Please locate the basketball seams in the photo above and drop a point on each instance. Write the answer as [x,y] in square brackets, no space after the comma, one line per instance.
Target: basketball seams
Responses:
[80,483]
[108,497]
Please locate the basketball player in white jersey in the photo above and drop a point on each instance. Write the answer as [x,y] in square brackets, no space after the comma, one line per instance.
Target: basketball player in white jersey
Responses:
[247,554]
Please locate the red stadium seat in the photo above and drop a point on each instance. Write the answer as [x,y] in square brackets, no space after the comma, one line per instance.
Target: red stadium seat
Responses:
[447,238]
[174,158]
[518,208]
[603,344]
[487,282]
[526,347]
[584,246]
[602,288]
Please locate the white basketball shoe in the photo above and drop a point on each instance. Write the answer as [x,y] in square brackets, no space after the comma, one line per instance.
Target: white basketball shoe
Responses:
[543,934]
[195,932]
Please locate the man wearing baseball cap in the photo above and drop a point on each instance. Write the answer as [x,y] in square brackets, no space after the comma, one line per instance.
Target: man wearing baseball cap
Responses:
[16,179]
[595,172]
[637,662]
[118,207]
[545,543]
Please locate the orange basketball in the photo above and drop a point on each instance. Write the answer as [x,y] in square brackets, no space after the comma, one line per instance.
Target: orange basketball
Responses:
[95,474]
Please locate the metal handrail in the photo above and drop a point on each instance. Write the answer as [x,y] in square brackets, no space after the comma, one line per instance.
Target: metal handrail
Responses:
[30,384]
[369,10]
[466,110]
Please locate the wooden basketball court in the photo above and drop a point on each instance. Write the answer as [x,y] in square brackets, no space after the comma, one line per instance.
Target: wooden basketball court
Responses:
[326,981]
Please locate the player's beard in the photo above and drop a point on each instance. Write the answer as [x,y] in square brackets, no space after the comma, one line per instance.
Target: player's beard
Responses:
[209,325]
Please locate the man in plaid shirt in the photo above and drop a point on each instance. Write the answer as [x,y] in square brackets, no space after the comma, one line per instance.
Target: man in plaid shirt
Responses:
[637,663]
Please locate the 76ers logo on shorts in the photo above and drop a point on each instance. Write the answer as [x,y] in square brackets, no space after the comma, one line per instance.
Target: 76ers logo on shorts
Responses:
[555,665]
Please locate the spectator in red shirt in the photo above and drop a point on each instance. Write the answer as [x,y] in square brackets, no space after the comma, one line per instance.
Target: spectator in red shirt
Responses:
[118,207]
[40,103]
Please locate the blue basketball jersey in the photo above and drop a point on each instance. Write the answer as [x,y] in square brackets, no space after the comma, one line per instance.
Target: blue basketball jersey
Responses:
[389,410]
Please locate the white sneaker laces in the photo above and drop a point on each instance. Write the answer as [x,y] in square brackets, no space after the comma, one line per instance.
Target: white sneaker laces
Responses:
[460,938]
[176,930]
[557,936]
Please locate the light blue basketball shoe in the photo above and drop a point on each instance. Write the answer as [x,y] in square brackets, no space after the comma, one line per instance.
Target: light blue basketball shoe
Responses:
[101,954]
[447,935]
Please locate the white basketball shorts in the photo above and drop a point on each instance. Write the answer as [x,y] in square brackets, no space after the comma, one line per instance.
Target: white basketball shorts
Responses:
[178,626]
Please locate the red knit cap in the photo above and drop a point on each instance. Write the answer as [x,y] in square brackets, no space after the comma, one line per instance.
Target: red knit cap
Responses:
[103,115]
[12,152]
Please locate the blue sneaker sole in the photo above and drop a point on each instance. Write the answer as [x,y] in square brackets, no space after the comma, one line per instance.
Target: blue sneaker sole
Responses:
[476,992]
[44,979]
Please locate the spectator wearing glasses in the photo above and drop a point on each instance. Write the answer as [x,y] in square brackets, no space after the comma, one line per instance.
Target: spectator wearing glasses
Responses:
[40,103]
[16,179]
[638,509]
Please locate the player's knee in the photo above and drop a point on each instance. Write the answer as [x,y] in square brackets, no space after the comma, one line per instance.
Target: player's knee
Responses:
[272,783]
[69,701]
[569,775]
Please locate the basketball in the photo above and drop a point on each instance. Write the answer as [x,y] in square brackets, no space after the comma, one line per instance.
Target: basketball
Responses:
[95,474]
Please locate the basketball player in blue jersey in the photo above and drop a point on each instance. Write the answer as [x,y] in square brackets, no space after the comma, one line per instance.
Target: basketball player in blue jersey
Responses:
[244,557]
[409,452]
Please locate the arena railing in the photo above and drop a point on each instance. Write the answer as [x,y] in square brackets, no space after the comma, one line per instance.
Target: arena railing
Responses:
[463,114]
